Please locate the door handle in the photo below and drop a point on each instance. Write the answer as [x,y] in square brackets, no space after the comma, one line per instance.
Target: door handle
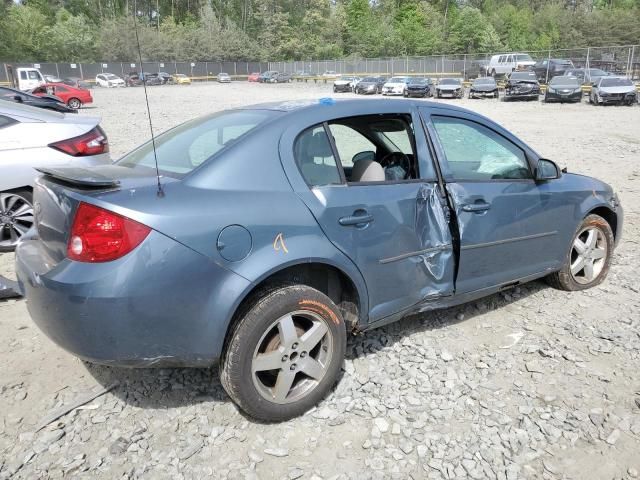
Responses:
[476,207]
[356,219]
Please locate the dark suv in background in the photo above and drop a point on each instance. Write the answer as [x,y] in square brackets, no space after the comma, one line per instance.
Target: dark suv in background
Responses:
[548,68]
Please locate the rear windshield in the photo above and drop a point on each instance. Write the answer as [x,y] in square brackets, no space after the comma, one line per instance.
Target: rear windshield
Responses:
[523,58]
[484,81]
[523,76]
[616,82]
[568,81]
[187,146]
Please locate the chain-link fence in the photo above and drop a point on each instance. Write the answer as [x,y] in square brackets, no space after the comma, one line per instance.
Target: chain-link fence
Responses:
[88,71]
[621,60]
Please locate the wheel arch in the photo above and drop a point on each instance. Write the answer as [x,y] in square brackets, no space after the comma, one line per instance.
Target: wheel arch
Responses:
[324,276]
[609,215]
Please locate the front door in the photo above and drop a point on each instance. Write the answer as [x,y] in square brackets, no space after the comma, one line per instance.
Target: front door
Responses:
[373,192]
[508,224]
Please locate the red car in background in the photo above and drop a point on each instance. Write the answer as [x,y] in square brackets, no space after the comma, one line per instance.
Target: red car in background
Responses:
[73,97]
[253,77]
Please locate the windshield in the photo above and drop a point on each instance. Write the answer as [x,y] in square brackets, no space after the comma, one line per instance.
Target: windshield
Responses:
[418,81]
[397,80]
[110,76]
[369,79]
[568,81]
[449,81]
[616,82]
[184,148]
[596,72]
[524,58]
[484,81]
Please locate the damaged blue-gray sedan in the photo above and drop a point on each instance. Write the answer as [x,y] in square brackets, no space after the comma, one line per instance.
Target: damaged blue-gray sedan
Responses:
[274,231]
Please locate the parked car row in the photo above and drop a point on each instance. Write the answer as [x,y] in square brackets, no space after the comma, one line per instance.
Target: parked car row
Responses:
[135,79]
[520,85]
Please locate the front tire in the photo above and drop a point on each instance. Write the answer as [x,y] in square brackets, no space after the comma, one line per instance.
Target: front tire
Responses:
[589,257]
[284,354]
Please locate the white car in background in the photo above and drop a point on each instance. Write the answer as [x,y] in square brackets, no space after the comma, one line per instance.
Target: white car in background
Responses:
[31,138]
[109,80]
[395,86]
[509,62]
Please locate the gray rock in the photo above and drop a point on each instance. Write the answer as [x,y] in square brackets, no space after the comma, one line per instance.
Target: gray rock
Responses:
[446,356]
[382,424]
[277,452]
[190,450]
[295,473]
[633,473]
[613,437]
[254,457]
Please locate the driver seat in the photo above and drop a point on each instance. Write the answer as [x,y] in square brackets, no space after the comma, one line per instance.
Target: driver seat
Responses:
[367,170]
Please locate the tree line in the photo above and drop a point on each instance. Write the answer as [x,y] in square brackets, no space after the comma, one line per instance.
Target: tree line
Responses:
[220,30]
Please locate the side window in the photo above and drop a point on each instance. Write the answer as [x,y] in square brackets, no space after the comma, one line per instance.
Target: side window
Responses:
[501,59]
[314,156]
[376,148]
[476,153]
[23,75]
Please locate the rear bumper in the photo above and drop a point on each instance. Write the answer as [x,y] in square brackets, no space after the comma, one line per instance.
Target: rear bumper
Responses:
[161,305]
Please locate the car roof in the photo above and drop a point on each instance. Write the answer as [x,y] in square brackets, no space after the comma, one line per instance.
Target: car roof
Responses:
[359,105]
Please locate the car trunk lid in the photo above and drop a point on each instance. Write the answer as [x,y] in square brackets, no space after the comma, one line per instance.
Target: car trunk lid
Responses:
[59,191]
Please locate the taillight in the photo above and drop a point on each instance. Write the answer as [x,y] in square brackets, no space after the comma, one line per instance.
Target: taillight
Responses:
[98,235]
[93,142]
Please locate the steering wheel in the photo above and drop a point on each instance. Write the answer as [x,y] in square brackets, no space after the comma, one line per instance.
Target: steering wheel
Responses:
[397,159]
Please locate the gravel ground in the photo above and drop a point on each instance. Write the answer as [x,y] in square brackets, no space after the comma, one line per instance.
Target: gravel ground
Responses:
[531,383]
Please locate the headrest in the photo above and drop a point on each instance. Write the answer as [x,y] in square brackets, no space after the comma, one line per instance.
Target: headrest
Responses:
[367,170]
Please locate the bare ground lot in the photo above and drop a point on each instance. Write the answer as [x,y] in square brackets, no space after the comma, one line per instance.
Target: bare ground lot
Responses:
[532,383]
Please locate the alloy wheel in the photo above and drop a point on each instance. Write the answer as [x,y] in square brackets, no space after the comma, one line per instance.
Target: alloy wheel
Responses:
[292,357]
[16,218]
[588,255]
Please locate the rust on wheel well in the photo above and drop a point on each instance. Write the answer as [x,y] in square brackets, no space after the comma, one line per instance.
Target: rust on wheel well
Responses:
[609,215]
[327,279]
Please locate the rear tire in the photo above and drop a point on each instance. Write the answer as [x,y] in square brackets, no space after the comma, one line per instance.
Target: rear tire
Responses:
[589,257]
[74,103]
[284,354]
[17,207]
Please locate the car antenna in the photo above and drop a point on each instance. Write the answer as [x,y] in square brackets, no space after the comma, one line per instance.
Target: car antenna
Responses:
[146,98]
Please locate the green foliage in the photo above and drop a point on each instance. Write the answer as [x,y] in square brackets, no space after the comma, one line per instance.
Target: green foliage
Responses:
[220,30]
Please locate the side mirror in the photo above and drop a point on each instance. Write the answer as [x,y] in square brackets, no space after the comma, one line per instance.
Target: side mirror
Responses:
[18,98]
[546,170]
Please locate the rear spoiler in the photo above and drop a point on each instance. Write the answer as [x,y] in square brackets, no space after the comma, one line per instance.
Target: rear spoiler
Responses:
[81,177]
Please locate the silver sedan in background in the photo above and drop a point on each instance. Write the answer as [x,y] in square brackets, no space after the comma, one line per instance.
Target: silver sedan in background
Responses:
[31,138]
